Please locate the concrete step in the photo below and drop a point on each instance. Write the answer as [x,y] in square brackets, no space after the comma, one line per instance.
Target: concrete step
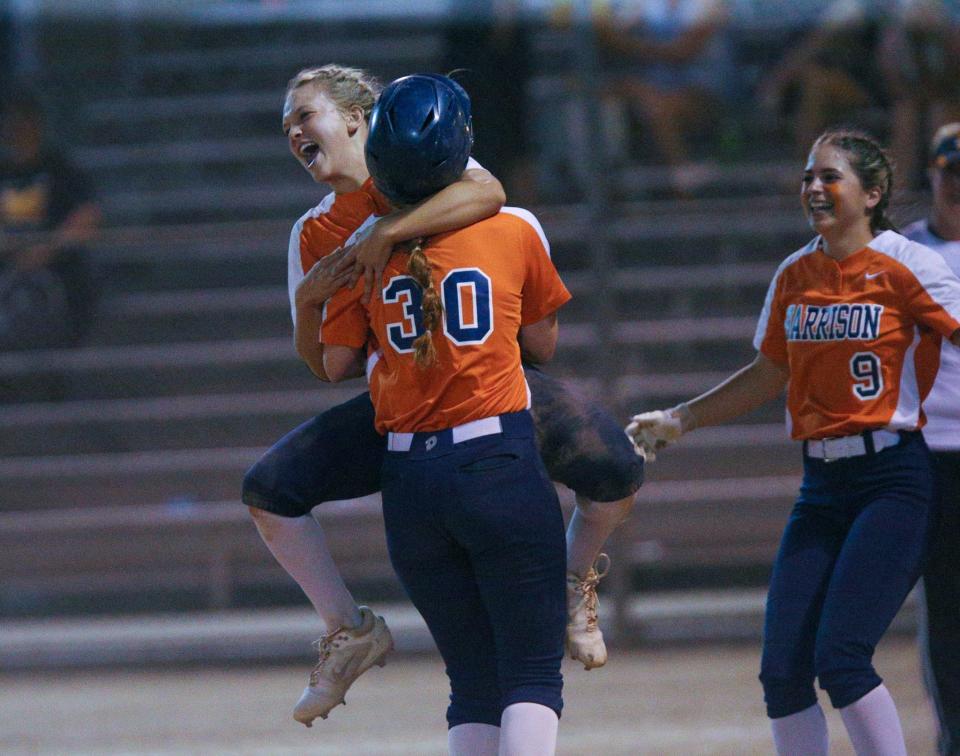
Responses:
[286,634]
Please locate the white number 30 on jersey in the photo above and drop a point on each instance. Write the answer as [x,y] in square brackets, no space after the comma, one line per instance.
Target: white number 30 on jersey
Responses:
[467,308]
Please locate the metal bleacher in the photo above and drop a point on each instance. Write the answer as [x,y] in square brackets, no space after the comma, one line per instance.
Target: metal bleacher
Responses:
[122,458]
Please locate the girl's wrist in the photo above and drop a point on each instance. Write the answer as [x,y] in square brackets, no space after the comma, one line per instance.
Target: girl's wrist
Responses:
[688,421]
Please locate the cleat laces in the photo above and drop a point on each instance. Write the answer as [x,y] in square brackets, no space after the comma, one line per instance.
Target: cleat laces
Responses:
[588,589]
[325,647]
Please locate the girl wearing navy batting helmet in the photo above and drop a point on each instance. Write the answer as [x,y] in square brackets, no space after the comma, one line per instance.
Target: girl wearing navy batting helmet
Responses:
[852,324]
[474,527]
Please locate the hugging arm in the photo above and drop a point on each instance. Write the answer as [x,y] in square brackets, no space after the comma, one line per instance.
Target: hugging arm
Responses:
[477,195]
[318,285]
[538,341]
[342,362]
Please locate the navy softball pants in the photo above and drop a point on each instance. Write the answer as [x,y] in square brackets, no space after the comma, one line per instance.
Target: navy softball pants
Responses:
[854,546]
[476,536]
[337,454]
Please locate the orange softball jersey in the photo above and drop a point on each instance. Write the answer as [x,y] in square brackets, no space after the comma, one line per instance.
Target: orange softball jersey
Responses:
[493,277]
[861,336]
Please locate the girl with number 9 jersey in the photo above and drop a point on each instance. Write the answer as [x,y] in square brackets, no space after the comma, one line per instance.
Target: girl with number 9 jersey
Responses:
[852,325]
[474,528]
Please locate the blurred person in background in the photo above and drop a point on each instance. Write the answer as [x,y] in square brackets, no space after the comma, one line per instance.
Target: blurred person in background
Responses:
[47,215]
[487,45]
[670,62]
[940,632]
[831,73]
[852,324]
[921,65]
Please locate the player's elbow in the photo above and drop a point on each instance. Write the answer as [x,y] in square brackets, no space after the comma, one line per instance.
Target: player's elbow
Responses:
[495,196]
[312,356]
[538,353]
[341,363]
[538,341]
[490,195]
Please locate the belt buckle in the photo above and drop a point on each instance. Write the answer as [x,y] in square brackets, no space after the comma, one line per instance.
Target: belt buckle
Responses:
[823,448]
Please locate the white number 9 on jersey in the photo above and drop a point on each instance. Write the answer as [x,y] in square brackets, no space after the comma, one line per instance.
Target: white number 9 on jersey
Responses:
[867,375]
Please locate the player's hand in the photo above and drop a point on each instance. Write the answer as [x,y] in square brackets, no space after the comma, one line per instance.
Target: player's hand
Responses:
[652,431]
[325,277]
[371,252]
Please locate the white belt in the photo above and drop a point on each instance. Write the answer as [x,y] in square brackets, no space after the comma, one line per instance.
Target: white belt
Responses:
[487,426]
[829,449]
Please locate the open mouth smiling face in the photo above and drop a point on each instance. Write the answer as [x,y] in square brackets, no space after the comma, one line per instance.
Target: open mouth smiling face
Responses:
[308,152]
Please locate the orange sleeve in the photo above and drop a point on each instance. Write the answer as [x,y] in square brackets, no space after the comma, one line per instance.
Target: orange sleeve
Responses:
[309,252]
[543,291]
[346,321]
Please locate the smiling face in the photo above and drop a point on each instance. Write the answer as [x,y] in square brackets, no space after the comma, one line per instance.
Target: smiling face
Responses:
[327,141]
[834,200]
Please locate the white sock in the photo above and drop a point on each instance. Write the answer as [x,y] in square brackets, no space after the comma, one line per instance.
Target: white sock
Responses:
[873,725]
[590,527]
[473,739]
[528,729]
[801,734]
[300,547]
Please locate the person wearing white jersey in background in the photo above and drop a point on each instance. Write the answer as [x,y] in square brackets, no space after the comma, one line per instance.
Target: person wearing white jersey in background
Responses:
[940,632]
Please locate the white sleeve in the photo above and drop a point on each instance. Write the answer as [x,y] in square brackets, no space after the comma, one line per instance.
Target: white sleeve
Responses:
[294,261]
[929,268]
[761,333]
[294,266]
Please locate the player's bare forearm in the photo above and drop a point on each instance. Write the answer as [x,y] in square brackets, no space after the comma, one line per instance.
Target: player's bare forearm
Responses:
[341,363]
[538,341]
[746,390]
[306,337]
[477,195]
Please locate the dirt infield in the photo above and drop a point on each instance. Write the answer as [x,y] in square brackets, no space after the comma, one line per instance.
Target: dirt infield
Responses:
[702,700]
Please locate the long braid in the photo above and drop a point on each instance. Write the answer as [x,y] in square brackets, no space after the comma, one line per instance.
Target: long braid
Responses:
[418,266]
[871,164]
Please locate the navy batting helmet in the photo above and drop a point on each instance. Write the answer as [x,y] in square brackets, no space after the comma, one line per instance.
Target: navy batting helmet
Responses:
[420,137]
